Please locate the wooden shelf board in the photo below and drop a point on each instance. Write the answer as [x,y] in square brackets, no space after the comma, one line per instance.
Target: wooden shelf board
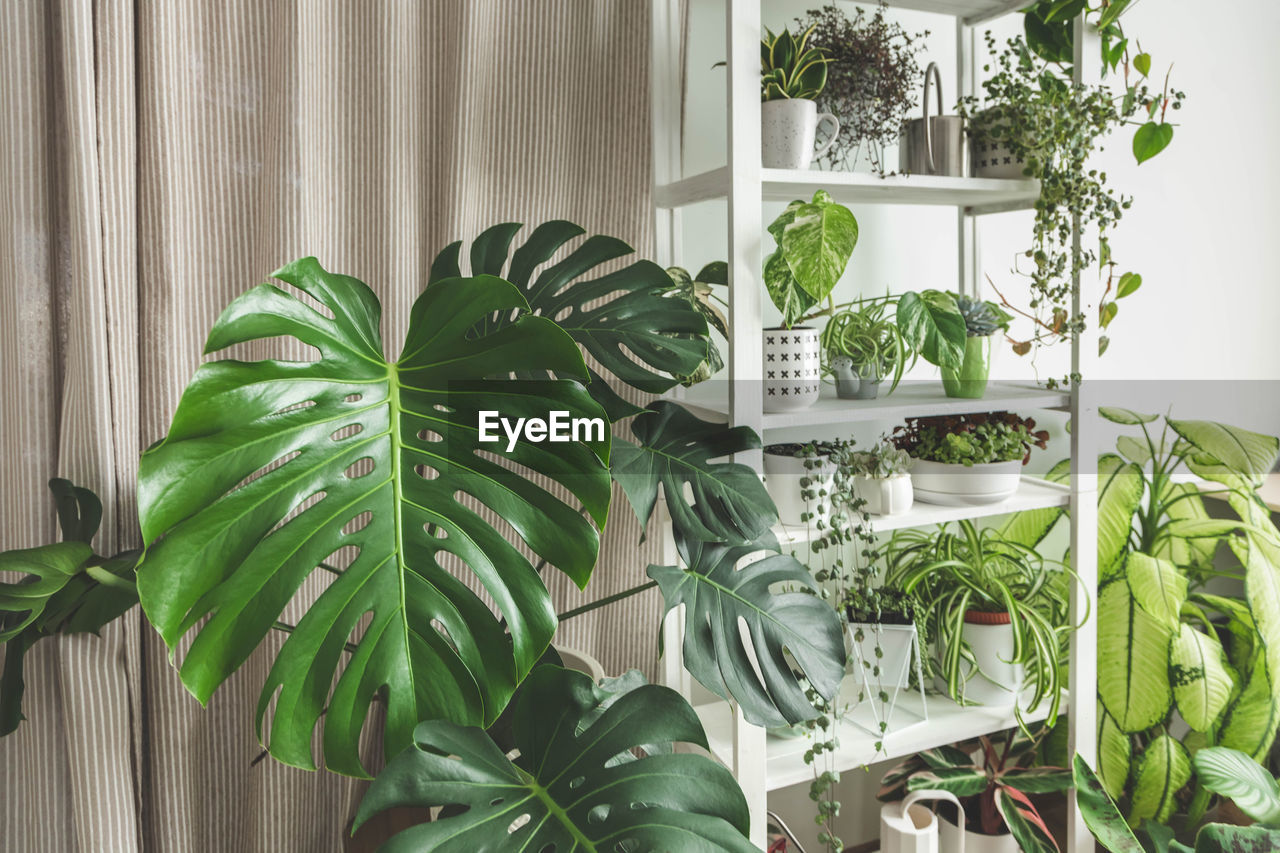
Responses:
[947,723]
[710,401]
[1033,493]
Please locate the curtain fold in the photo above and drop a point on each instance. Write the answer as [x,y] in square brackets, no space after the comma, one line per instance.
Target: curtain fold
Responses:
[160,158]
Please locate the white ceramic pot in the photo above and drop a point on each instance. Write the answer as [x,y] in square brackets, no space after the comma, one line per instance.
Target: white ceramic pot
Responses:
[891,496]
[896,641]
[782,475]
[792,369]
[788,129]
[952,484]
[952,840]
[994,681]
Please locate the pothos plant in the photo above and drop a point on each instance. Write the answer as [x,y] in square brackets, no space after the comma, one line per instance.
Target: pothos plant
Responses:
[376,476]
[1173,655]
[1032,106]
[815,240]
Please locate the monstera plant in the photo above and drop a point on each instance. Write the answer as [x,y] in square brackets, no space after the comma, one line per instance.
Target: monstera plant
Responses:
[362,492]
[1169,650]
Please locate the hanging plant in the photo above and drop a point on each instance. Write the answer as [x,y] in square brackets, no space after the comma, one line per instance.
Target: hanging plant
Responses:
[871,80]
[1034,110]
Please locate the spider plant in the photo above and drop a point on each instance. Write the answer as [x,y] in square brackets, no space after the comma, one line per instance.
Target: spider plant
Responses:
[971,569]
[866,335]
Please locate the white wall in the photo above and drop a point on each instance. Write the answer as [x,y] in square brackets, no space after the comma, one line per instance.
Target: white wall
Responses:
[1200,336]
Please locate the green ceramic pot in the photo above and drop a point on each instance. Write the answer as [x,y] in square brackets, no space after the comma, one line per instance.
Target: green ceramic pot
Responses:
[970,381]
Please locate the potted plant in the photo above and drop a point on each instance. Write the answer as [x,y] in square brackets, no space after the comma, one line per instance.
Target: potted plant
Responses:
[798,478]
[815,240]
[995,612]
[792,74]
[1033,121]
[962,460]
[698,292]
[885,646]
[882,478]
[982,320]
[871,81]
[995,779]
[862,346]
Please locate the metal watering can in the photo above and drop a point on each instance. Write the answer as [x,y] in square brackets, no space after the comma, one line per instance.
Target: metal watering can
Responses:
[934,145]
[906,827]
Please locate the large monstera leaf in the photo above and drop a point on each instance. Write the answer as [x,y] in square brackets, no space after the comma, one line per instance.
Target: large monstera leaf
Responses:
[718,592]
[574,787]
[675,450]
[64,589]
[272,467]
[628,320]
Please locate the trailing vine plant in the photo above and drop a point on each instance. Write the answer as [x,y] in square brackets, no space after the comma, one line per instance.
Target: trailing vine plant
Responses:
[1032,106]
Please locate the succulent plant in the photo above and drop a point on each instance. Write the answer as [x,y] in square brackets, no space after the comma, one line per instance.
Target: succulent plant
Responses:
[790,68]
[981,318]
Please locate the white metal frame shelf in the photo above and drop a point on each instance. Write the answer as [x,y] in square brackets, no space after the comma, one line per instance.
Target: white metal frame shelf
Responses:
[760,763]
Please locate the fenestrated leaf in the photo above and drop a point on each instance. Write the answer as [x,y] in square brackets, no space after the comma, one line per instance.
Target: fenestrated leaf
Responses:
[933,326]
[64,588]
[564,791]
[1234,775]
[641,334]
[675,450]
[1100,813]
[1202,683]
[1133,660]
[717,595]
[271,467]
[1024,822]
[1163,769]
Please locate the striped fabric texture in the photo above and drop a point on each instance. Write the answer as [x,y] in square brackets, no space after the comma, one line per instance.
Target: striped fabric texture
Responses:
[159,157]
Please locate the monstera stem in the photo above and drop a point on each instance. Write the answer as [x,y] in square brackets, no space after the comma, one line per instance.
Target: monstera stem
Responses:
[607,600]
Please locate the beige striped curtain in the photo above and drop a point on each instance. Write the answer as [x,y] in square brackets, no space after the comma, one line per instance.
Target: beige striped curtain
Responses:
[157,158]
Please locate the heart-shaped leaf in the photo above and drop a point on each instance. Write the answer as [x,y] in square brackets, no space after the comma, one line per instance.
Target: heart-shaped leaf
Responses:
[674,449]
[566,791]
[1150,139]
[272,470]
[718,595]
[817,244]
[933,325]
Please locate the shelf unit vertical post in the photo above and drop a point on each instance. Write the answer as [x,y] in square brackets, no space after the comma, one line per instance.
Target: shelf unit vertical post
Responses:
[968,281]
[1082,679]
[746,396]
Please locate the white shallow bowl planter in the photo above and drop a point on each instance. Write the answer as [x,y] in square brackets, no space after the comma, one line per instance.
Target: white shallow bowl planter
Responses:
[782,475]
[953,484]
[889,496]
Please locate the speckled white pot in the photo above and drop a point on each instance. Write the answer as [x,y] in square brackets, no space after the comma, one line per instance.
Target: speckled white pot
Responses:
[788,128]
[792,369]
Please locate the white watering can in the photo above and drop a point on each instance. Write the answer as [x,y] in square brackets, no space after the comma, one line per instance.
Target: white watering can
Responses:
[906,827]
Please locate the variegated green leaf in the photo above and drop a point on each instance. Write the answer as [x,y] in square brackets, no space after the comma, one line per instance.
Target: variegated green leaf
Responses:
[1162,771]
[1202,682]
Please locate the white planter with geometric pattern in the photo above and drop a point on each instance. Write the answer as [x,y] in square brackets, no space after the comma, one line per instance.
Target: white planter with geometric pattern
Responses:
[792,369]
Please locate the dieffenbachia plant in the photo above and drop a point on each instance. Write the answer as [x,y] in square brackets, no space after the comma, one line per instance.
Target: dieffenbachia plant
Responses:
[1161,658]
[351,502]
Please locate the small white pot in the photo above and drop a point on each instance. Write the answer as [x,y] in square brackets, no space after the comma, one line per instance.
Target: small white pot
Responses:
[994,681]
[895,641]
[953,484]
[792,369]
[782,475]
[890,496]
[951,839]
[788,128]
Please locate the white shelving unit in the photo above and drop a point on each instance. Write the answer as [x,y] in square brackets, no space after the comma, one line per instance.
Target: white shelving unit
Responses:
[763,763]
